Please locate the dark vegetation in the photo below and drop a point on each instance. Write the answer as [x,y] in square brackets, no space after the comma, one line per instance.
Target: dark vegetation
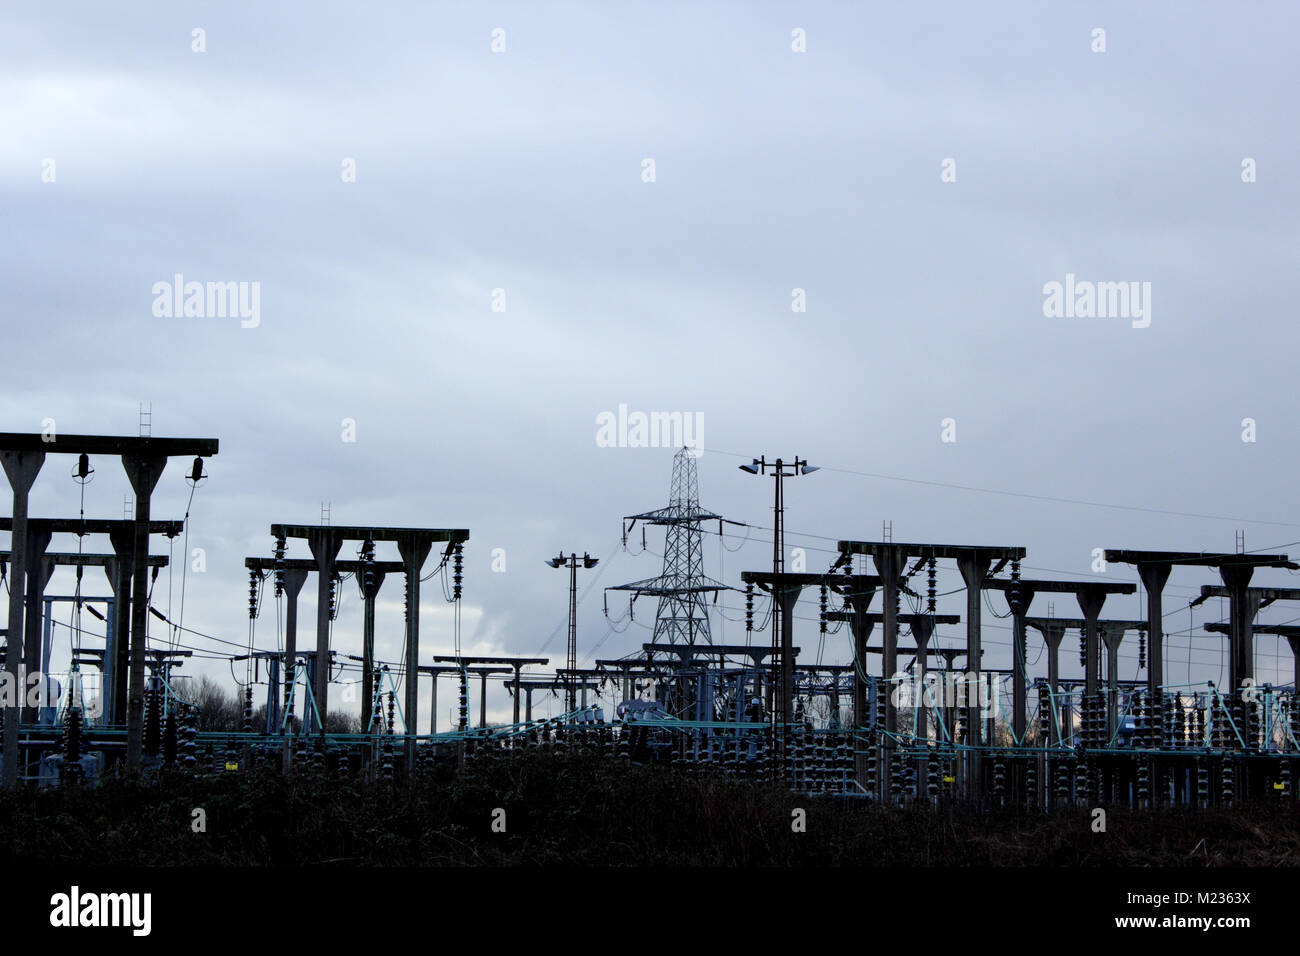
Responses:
[583,810]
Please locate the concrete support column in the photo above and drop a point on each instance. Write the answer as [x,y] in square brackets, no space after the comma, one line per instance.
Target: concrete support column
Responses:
[293,583]
[272,695]
[861,628]
[21,468]
[515,714]
[1090,603]
[974,567]
[39,571]
[1053,634]
[413,550]
[143,472]
[922,630]
[1154,577]
[368,647]
[890,562]
[324,544]
[1242,610]
[116,660]
[789,597]
[1019,601]
[1112,636]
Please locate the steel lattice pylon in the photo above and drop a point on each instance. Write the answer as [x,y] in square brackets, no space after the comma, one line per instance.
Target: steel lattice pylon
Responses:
[682,617]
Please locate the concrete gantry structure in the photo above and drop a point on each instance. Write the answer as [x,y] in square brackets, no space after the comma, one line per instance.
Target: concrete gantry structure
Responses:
[40,567]
[1097,633]
[554,686]
[295,571]
[434,671]
[973,561]
[785,588]
[413,545]
[675,656]
[857,591]
[1019,593]
[922,627]
[686,656]
[483,672]
[583,679]
[1235,570]
[121,536]
[1290,631]
[1253,599]
[143,459]
[517,663]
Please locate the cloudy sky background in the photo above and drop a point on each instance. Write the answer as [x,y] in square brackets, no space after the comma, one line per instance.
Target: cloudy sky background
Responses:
[775,170]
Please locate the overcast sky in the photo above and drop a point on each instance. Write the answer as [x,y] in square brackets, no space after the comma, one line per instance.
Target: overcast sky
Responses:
[774,170]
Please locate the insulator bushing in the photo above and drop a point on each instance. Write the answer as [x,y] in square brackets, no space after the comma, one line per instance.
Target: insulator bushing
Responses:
[1062,781]
[152,722]
[188,738]
[71,769]
[279,566]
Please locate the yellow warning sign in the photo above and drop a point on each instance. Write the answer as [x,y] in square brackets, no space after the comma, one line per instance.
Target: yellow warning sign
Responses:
[231,766]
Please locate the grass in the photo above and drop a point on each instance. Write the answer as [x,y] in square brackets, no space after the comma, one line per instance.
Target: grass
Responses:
[586,811]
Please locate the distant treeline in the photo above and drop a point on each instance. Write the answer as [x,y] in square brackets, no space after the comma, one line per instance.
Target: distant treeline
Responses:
[223,709]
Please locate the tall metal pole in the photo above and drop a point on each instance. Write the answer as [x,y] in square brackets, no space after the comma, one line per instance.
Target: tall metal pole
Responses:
[781,673]
[571,562]
[777,687]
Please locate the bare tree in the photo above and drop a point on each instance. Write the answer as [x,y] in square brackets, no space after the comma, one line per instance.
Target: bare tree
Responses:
[217,709]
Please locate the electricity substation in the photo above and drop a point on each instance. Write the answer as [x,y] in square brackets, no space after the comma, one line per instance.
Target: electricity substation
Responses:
[897,704]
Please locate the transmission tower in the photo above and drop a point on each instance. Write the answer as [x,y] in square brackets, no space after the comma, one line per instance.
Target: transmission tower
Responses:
[682,617]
